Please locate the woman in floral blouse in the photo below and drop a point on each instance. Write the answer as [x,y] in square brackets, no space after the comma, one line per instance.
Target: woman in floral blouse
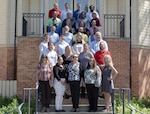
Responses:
[92,75]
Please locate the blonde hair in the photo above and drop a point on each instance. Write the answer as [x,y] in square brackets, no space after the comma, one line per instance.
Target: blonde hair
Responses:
[110,62]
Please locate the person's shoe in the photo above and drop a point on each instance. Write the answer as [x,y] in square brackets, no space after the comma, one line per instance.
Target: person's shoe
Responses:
[77,110]
[73,110]
[43,109]
[62,110]
[47,109]
[105,110]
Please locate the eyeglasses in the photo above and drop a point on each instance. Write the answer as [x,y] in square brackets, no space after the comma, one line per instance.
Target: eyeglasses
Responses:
[75,57]
[44,57]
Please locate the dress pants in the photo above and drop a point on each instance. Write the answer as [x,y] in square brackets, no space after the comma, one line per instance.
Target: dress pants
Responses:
[45,93]
[59,90]
[92,93]
[75,92]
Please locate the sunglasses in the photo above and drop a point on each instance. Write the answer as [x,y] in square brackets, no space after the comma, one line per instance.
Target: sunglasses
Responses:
[44,57]
[75,57]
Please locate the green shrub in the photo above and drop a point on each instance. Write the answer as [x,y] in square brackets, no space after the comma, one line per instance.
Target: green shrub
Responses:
[142,105]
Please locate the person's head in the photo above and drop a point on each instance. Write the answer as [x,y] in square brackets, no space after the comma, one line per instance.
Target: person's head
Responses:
[80,29]
[60,60]
[98,36]
[46,37]
[62,37]
[82,24]
[93,22]
[68,15]
[66,29]
[78,6]
[55,5]
[53,28]
[44,59]
[54,22]
[75,57]
[66,6]
[94,15]
[79,37]
[68,22]
[91,63]
[92,8]
[102,46]
[50,45]
[108,60]
[54,14]
[86,47]
[68,50]
[83,15]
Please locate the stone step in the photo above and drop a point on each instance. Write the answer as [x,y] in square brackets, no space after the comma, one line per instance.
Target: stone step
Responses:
[81,101]
[68,107]
[83,104]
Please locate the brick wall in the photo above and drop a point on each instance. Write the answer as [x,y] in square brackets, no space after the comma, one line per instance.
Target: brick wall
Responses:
[140,72]
[28,54]
[7,63]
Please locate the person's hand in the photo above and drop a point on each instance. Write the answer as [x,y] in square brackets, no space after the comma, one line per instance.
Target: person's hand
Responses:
[62,82]
[109,79]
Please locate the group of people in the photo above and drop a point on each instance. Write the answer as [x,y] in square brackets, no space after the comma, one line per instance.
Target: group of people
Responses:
[76,57]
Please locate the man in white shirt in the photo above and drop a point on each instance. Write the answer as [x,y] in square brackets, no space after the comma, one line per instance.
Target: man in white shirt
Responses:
[61,45]
[68,35]
[43,47]
[52,55]
[65,11]
[54,37]
[94,47]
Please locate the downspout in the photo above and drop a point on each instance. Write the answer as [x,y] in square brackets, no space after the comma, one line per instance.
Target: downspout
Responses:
[73,5]
[15,53]
[130,50]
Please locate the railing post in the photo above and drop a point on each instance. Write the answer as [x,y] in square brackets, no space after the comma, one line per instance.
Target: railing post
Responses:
[112,100]
[36,106]
[29,101]
[123,106]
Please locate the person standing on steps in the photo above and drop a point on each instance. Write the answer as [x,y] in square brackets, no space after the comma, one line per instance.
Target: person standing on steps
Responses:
[60,74]
[45,78]
[109,73]
[75,71]
[92,78]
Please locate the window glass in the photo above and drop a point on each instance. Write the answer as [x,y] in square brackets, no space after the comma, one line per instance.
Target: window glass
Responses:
[62,3]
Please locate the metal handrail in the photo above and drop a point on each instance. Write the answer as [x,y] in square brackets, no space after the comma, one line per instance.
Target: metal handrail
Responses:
[17,108]
[133,109]
[29,99]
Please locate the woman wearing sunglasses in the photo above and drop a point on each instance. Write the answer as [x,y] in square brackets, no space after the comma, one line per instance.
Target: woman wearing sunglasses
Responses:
[45,77]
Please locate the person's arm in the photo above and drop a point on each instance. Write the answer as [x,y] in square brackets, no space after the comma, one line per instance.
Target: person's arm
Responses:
[114,72]
[56,73]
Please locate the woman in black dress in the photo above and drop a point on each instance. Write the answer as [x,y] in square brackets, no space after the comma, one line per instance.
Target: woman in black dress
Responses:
[108,75]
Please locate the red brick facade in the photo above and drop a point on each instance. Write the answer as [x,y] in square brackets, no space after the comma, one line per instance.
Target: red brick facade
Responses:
[7,63]
[28,54]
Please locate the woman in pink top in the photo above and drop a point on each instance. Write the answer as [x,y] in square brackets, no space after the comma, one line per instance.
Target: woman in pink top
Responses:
[45,77]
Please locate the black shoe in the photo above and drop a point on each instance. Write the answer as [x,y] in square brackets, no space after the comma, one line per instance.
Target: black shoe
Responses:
[62,110]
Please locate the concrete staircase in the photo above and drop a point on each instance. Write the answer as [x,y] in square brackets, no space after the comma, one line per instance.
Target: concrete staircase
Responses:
[83,107]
